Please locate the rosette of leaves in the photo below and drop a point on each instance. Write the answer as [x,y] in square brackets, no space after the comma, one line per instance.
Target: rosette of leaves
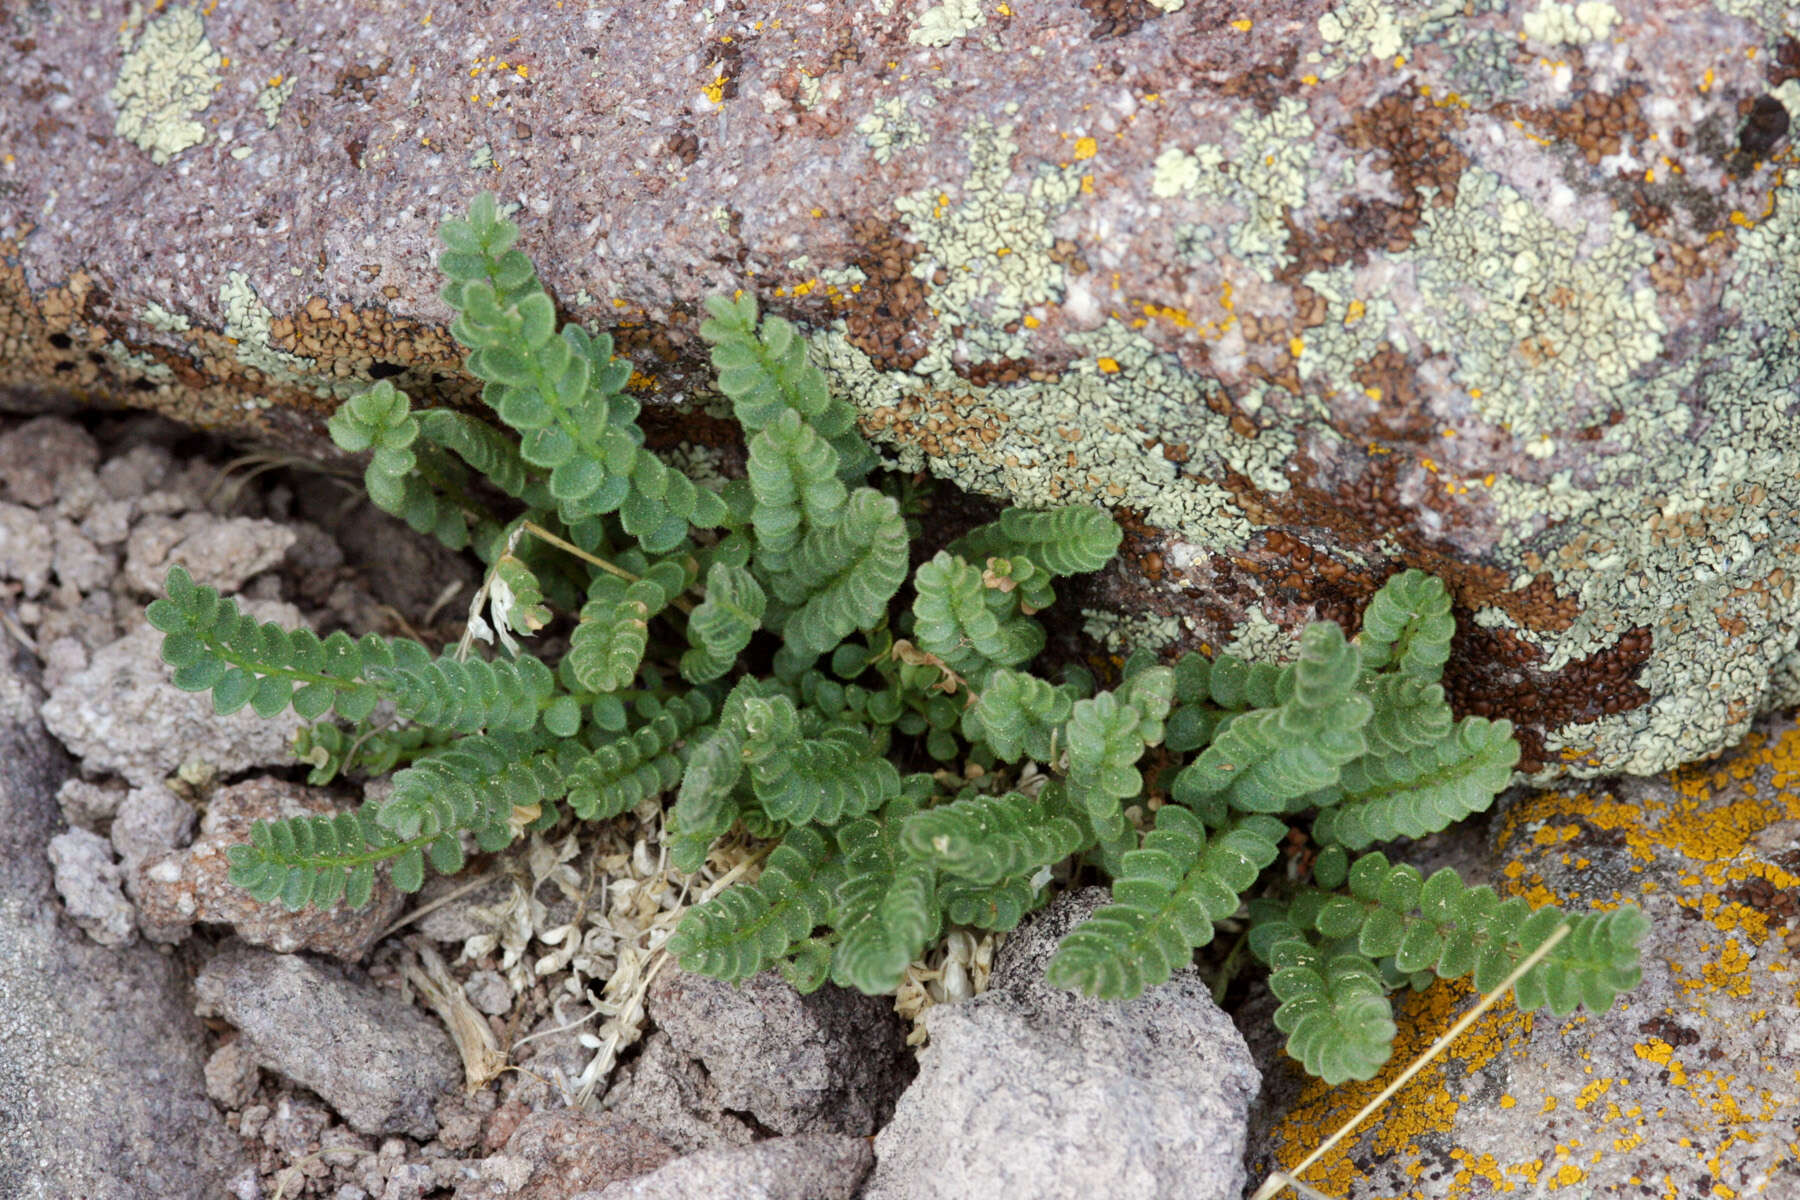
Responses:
[771,655]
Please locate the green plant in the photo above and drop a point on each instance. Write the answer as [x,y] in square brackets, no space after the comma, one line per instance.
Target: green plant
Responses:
[763,650]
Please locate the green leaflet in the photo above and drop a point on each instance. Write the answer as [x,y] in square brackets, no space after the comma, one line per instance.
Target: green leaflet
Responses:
[970,626]
[722,626]
[1422,790]
[1106,735]
[1408,626]
[1334,1011]
[842,578]
[744,930]
[738,649]
[1166,899]
[1018,715]
[986,839]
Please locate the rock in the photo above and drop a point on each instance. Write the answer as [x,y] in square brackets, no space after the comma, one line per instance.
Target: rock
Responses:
[1685,1087]
[232,1075]
[829,1062]
[219,552]
[125,477]
[77,562]
[807,1166]
[1028,1090]
[151,821]
[1258,281]
[88,805]
[555,1154]
[26,548]
[177,890]
[489,992]
[122,714]
[101,1087]
[91,883]
[669,1092]
[38,457]
[377,1060]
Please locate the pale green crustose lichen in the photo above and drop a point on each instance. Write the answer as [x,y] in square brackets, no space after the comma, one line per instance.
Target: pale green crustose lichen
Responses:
[889,128]
[167,79]
[249,321]
[1557,24]
[944,23]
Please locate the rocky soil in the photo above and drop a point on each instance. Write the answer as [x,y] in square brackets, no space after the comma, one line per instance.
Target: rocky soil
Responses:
[516,1031]
[512,1032]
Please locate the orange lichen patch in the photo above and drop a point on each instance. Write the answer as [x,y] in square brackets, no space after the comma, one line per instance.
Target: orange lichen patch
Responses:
[1426,1105]
[1716,860]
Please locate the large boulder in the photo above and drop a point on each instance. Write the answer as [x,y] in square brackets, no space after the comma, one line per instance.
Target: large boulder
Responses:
[1305,290]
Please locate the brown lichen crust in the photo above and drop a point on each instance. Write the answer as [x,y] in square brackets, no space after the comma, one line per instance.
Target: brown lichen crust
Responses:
[1505,292]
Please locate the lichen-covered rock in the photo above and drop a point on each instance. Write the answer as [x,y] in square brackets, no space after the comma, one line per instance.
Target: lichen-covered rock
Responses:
[1685,1088]
[832,1061]
[177,890]
[1029,1090]
[1322,288]
[121,713]
[379,1061]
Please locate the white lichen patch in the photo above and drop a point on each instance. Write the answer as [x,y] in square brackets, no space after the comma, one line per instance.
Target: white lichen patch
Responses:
[1360,29]
[143,364]
[272,98]
[889,128]
[1258,639]
[993,241]
[167,79]
[1556,24]
[941,24]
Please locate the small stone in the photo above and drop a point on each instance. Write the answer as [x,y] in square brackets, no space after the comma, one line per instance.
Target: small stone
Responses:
[88,805]
[150,821]
[89,880]
[36,457]
[108,522]
[380,1062]
[554,1154]
[807,1166]
[77,562]
[220,552]
[832,1061]
[232,1075]
[26,548]
[123,715]
[132,474]
[489,992]
[1029,1090]
[176,890]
